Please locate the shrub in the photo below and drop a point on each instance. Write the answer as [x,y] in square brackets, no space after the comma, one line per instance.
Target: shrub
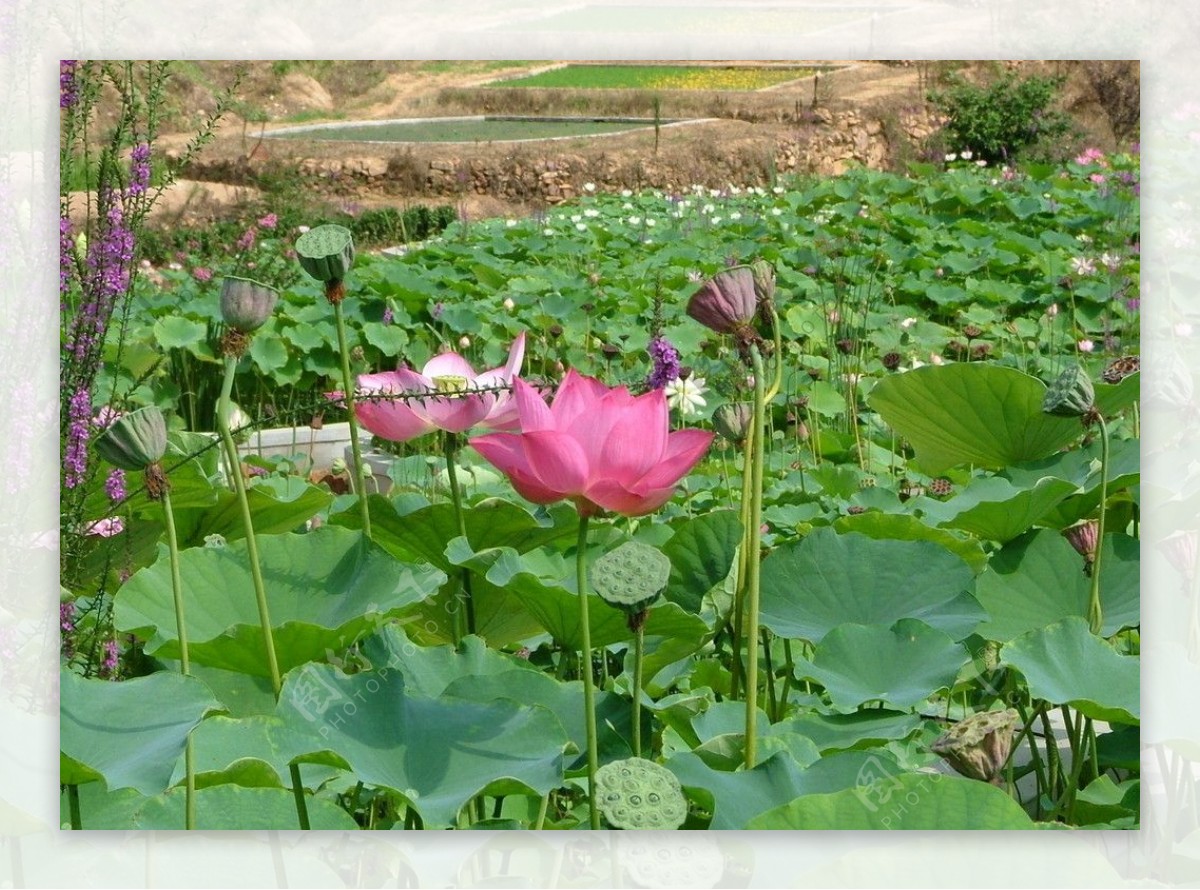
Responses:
[1001,120]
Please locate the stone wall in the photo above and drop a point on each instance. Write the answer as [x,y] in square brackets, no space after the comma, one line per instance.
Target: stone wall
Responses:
[827,143]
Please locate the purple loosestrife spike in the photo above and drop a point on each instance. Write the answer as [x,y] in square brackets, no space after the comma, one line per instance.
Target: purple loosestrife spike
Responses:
[666,363]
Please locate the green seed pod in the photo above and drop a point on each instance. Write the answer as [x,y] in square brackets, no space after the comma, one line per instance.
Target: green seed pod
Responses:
[637,793]
[764,280]
[733,419]
[326,252]
[1071,395]
[631,577]
[135,440]
[246,304]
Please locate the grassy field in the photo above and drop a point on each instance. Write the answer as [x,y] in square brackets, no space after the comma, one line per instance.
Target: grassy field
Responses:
[659,77]
[463,131]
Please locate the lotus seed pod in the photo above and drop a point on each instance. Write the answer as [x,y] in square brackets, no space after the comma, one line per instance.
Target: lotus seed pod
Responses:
[1071,395]
[326,252]
[631,576]
[764,281]
[733,419]
[978,747]
[136,440]
[637,793]
[246,304]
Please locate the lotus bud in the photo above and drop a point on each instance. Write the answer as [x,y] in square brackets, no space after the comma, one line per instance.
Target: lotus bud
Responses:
[640,794]
[733,419]
[726,303]
[326,253]
[978,747]
[1070,395]
[1083,537]
[246,304]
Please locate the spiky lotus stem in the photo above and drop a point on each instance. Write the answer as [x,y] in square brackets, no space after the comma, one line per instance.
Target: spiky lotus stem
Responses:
[589,692]
[189,764]
[753,563]
[360,479]
[224,411]
[1095,610]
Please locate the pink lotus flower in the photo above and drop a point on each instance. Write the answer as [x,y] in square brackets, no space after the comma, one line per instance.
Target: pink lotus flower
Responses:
[454,404]
[602,448]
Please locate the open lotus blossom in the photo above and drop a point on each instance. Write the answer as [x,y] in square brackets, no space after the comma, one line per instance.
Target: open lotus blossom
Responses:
[454,403]
[602,448]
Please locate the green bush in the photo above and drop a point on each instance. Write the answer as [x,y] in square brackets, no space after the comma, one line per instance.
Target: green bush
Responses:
[1007,118]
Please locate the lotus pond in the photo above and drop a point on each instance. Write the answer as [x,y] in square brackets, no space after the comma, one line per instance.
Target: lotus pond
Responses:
[809,506]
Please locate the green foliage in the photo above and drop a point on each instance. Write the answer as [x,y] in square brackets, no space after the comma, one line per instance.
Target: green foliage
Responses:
[1003,120]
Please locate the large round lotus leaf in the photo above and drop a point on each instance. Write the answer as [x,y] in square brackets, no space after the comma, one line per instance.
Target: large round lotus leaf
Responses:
[971,413]
[324,591]
[910,801]
[811,586]
[640,794]
[220,808]
[1038,579]
[1067,664]
[901,665]
[131,733]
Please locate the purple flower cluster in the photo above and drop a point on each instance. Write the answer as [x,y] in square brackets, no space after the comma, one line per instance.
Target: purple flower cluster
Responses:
[114,486]
[388,316]
[666,363]
[66,622]
[66,248]
[68,86]
[112,660]
[79,425]
[109,257]
[139,173]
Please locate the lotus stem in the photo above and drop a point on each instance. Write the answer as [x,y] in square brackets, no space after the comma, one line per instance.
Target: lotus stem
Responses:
[360,479]
[753,563]
[739,595]
[451,448]
[189,764]
[585,669]
[260,590]
[639,640]
[73,805]
[1095,611]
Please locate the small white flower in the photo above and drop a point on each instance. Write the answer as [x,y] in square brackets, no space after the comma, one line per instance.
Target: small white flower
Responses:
[1111,261]
[1086,346]
[935,359]
[1083,238]
[686,396]
[715,220]
[301,229]
[575,217]
[547,231]
[651,223]
[510,223]
[708,208]
[626,206]
[581,226]
[735,215]
[509,304]
[634,220]
[908,322]
[966,154]
[464,342]
[591,212]
[950,157]
[981,163]
[174,267]
[214,541]
[776,211]
[1083,265]
[778,190]
[626,193]
[589,186]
